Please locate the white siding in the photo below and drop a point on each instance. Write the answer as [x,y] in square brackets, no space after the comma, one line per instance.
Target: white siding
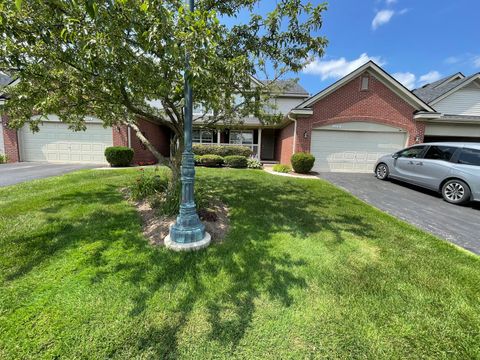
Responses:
[452,130]
[2,146]
[465,101]
[285,104]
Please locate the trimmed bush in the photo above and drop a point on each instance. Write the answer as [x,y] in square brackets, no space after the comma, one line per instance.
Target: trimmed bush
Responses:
[281,168]
[221,150]
[119,156]
[211,160]
[302,163]
[197,158]
[235,161]
[253,163]
[3,159]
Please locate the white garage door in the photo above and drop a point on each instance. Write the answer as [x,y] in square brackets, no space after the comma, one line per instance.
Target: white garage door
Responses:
[56,143]
[352,148]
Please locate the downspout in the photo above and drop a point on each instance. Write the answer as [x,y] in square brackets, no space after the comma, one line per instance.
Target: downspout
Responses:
[294,133]
[129,136]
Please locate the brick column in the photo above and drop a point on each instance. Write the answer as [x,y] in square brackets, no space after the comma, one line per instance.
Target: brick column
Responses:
[10,139]
[120,135]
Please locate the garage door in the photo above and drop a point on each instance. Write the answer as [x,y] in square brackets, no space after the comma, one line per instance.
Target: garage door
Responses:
[56,143]
[354,147]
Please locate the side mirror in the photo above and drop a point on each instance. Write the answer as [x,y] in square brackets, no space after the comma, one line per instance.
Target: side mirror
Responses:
[395,156]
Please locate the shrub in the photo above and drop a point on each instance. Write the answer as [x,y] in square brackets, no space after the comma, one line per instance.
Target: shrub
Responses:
[221,150]
[253,163]
[211,160]
[3,159]
[281,168]
[235,161]
[302,163]
[119,156]
[148,183]
[196,159]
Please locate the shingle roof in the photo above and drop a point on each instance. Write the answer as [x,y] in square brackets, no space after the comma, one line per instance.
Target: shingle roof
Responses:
[289,86]
[5,79]
[430,92]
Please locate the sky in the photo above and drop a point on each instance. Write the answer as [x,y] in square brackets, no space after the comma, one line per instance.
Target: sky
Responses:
[416,41]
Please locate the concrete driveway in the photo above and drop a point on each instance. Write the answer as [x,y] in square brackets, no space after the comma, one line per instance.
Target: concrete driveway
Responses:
[19,172]
[422,208]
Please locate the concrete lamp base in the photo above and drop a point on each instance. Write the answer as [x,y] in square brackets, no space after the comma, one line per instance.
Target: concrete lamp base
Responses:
[194,246]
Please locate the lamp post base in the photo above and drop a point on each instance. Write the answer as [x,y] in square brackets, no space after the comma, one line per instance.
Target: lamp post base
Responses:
[193,246]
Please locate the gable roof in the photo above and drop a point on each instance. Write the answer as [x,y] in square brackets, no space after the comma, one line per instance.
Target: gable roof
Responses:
[289,86]
[383,76]
[432,93]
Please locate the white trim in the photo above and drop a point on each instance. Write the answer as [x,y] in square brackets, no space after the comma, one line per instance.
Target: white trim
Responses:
[294,133]
[218,137]
[382,75]
[451,78]
[259,142]
[129,136]
[302,111]
[455,89]
[426,116]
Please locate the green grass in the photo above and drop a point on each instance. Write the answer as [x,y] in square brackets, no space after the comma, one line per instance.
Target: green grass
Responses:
[307,271]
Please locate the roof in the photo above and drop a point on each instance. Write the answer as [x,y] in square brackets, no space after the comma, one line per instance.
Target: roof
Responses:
[431,92]
[471,145]
[289,86]
[383,76]
[5,80]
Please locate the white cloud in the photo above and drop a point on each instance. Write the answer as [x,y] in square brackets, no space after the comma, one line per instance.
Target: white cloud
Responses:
[452,60]
[429,77]
[476,62]
[338,68]
[403,11]
[406,78]
[382,17]
[390,2]
[409,80]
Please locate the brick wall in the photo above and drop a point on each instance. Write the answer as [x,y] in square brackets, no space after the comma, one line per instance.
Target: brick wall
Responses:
[10,140]
[284,144]
[159,136]
[378,104]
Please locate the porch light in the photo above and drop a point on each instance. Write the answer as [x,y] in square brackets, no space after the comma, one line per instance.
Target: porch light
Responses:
[305,134]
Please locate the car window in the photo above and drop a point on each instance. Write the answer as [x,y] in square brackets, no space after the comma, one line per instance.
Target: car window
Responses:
[412,152]
[440,152]
[469,157]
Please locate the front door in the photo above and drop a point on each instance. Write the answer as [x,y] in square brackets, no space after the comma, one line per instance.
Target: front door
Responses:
[268,145]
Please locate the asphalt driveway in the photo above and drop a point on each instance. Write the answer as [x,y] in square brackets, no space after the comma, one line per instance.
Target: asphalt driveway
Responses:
[422,208]
[19,172]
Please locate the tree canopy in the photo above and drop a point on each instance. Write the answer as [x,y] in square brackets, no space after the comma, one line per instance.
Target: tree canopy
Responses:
[114,59]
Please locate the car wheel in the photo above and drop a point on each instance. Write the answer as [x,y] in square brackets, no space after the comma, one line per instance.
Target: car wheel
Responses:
[381,172]
[456,192]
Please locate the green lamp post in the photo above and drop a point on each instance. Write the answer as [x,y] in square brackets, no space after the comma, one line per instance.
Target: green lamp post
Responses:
[188,232]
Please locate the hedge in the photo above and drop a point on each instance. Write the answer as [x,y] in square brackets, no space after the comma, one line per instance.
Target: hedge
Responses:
[211,160]
[222,150]
[302,162]
[235,161]
[119,156]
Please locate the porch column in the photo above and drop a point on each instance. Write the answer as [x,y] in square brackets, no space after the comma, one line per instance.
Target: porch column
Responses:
[259,144]
[218,137]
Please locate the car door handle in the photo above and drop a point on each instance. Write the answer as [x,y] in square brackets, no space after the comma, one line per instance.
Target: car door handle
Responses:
[419,163]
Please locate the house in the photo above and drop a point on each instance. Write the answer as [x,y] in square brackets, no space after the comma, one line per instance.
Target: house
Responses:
[56,143]
[368,113]
[346,126]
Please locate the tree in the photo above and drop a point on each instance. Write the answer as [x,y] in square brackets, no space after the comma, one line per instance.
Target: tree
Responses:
[113,58]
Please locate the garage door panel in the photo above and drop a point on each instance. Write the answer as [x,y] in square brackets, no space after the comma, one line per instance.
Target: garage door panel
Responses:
[352,151]
[55,142]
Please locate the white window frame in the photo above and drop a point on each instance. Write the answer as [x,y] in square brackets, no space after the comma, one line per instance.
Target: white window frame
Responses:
[241,132]
[202,141]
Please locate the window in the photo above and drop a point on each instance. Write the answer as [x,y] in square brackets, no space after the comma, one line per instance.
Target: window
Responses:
[199,110]
[365,80]
[412,152]
[469,157]
[202,136]
[241,137]
[440,152]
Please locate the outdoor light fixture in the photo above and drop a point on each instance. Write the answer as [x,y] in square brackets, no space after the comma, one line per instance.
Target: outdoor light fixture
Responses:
[305,134]
[188,232]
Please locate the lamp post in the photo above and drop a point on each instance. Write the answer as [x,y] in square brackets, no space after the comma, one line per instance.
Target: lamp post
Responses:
[188,232]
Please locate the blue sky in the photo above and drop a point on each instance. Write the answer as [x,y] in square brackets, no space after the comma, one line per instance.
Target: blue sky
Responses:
[416,40]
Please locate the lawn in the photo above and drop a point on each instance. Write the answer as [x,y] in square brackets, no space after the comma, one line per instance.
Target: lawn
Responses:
[307,271]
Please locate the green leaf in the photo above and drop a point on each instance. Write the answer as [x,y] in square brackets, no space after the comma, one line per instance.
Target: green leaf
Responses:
[18,4]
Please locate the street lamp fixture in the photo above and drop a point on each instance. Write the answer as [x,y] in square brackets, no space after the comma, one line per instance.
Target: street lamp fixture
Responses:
[188,233]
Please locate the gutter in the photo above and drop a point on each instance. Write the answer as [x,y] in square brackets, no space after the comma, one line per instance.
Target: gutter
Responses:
[294,133]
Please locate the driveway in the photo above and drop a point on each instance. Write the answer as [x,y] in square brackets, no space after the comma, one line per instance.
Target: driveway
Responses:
[19,172]
[422,208]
